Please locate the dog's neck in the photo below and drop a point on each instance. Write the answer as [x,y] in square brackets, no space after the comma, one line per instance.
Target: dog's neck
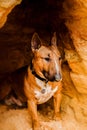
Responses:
[36,75]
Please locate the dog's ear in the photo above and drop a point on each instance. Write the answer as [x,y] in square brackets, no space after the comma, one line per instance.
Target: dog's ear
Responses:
[54,39]
[35,42]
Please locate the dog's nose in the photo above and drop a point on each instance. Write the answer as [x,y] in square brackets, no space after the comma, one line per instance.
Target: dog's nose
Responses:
[58,77]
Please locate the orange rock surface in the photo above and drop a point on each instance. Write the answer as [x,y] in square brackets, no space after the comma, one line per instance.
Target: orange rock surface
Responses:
[74,68]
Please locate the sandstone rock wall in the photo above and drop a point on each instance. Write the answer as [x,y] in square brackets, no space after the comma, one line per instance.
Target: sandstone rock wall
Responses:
[5,8]
[75,15]
[16,47]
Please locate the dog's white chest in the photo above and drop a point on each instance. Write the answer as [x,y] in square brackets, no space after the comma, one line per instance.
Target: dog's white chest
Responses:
[45,93]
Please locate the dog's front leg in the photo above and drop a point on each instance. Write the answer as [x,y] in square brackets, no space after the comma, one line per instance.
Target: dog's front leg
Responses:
[32,107]
[57,103]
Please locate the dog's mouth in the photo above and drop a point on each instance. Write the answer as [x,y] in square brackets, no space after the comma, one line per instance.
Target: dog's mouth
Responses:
[55,77]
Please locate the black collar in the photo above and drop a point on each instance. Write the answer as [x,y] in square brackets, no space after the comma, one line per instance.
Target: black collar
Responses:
[36,75]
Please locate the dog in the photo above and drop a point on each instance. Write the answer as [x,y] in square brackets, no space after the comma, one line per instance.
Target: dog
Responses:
[38,82]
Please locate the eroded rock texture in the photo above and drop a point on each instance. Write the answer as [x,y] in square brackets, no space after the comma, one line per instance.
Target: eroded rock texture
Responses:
[5,8]
[69,20]
[75,14]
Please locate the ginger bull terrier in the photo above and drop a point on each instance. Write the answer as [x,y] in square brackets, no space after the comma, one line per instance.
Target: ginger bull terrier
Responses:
[38,82]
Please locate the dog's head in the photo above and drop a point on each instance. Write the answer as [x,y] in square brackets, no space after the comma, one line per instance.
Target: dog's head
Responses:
[46,61]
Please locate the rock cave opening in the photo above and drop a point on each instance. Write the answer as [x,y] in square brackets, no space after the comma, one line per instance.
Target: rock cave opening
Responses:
[18,21]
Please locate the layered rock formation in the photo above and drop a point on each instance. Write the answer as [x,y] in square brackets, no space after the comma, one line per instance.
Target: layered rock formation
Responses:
[70,22]
[75,15]
[5,8]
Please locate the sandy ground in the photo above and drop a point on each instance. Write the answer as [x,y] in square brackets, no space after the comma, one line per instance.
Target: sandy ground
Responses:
[19,119]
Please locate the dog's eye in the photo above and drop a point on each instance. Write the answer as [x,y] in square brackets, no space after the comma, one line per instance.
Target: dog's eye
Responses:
[47,59]
[60,58]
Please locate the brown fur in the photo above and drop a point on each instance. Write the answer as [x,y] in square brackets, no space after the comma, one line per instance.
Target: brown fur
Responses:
[23,82]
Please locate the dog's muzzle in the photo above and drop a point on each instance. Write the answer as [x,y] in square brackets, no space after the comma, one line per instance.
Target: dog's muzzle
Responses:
[55,77]
[58,77]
